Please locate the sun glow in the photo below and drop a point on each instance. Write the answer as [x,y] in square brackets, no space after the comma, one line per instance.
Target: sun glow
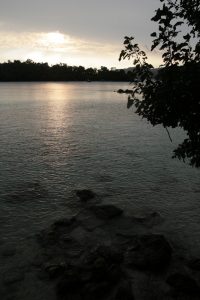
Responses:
[54,39]
[56,47]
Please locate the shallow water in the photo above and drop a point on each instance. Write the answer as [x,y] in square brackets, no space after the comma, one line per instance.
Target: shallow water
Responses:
[59,137]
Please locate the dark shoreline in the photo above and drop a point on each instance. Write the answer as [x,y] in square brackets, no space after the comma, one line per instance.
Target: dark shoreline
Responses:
[101,253]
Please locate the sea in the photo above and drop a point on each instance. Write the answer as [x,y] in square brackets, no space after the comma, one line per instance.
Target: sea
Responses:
[56,138]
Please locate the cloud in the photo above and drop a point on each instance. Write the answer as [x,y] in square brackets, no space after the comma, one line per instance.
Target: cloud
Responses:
[51,41]
[52,47]
[92,31]
[105,20]
[57,47]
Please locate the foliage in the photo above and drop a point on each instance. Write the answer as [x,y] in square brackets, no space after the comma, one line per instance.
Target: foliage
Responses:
[171,98]
[32,71]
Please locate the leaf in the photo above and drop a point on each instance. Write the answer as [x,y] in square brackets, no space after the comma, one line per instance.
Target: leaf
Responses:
[154,34]
[155,44]
[130,103]
[178,23]
[186,37]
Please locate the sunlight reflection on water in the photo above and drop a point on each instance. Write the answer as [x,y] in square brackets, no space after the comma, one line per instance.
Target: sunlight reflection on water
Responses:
[57,137]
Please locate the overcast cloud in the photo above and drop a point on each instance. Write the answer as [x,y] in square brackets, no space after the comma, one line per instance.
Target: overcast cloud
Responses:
[105,21]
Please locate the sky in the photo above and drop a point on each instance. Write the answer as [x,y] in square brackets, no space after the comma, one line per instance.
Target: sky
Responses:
[76,32]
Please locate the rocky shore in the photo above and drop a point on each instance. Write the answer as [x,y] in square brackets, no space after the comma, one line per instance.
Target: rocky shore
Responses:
[102,253]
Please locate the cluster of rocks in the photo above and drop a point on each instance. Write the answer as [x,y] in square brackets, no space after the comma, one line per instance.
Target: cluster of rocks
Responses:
[127,91]
[103,254]
[100,253]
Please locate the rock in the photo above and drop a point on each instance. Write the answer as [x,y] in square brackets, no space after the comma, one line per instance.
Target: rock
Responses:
[152,219]
[149,220]
[71,247]
[92,277]
[89,221]
[194,264]
[97,290]
[38,260]
[69,284]
[48,237]
[124,291]
[85,195]
[80,235]
[149,252]
[13,276]
[105,264]
[8,250]
[104,270]
[183,283]
[55,270]
[110,254]
[65,222]
[106,211]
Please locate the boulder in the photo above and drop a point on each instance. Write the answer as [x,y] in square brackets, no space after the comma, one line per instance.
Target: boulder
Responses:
[48,237]
[194,264]
[96,290]
[149,252]
[124,291]
[111,254]
[65,222]
[85,195]
[89,221]
[94,277]
[12,276]
[69,287]
[8,250]
[183,283]
[106,211]
[54,270]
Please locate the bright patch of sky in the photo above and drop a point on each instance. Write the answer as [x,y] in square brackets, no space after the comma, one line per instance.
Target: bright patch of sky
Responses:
[88,33]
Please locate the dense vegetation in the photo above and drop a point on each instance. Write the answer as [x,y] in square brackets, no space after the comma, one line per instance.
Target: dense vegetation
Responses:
[31,71]
[171,98]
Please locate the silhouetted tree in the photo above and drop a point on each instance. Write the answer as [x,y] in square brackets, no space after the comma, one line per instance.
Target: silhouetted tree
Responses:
[172,97]
[32,71]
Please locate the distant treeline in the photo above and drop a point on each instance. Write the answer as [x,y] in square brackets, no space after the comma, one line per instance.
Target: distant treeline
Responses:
[32,71]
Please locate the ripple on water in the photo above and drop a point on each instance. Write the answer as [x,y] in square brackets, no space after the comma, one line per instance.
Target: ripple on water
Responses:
[68,136]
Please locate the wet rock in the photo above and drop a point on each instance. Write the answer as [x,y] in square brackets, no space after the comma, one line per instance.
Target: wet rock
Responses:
[102,270]
[149,252]
[97,290]
[149,220]
[38,260]
[65,222]
[105,264]
[124,291]
[89,221]
[48,237]
[13,276]
[8,250]
[70,283]
[106,211]
[79,234]
[194,264]
[85,195]
[109,253]
[153,219]
[183,283]
[72,248]
[92,277]
[55,270]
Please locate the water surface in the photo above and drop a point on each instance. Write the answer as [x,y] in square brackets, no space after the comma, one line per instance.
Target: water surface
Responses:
[59,137]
